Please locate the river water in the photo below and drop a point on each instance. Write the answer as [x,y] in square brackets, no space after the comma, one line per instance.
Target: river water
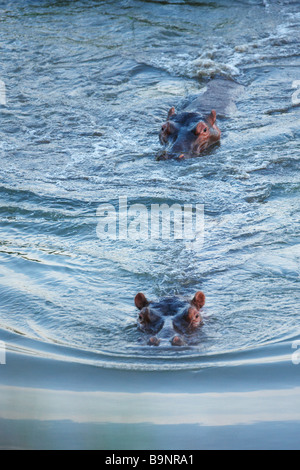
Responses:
[85,87]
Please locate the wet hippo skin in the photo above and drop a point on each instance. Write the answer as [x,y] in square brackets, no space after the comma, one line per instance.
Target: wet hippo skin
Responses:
[170,317]
[193,130]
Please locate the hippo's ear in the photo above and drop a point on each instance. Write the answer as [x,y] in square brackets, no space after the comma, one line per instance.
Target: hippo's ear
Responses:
[171,112]
[211,119]
[140,301]
[198,300]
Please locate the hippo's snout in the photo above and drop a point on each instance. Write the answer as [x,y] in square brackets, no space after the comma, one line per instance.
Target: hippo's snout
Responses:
[164,155]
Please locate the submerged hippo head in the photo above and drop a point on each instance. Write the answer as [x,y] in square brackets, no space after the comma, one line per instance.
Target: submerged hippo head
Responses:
[168,316]
[187,134]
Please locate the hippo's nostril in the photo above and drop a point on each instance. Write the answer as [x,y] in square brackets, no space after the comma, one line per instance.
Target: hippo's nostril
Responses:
[153,341]
[177,341]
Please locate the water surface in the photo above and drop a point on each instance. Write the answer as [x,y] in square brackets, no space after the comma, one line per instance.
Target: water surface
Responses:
[88,85]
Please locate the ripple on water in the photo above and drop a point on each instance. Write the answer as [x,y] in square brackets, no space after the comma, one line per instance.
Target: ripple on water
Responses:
[80,129]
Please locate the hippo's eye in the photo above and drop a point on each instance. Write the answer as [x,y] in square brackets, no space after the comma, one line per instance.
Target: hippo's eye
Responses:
[141,317]
[168,128]
[205,130]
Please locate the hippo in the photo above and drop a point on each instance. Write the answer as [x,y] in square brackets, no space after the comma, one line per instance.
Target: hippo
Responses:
[172,317]
[193,130]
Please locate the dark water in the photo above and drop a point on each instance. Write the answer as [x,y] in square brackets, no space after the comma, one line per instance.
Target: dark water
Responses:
[88,84]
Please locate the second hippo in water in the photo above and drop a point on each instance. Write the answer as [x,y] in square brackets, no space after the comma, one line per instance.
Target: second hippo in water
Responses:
[193,130]
[168,316]
[188,134]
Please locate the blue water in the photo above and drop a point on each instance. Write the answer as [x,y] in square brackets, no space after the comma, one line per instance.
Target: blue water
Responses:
[88,85]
